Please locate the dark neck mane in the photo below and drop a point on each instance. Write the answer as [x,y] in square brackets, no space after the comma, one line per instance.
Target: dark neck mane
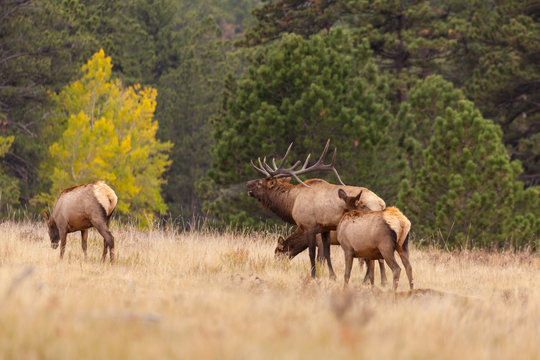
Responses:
[280,201]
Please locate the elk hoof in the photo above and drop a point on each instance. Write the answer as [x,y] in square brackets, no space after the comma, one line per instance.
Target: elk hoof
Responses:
[54,246]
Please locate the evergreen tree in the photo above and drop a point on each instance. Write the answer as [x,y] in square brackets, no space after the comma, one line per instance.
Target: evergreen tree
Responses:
[107,133]
[38,52]
[302,17]
[426,100]
[304,91]
[187,101]
[466,193]
[497,63]
[9,187]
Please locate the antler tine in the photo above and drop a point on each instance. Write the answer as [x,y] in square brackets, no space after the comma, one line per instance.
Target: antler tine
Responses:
[259,169]
[333,168]
[285,156]
[337,175]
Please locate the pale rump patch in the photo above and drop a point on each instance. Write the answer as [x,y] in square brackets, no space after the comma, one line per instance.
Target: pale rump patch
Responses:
[105,196]
[397,222]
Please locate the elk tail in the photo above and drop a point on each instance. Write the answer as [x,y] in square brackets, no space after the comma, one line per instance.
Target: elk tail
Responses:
[405,246]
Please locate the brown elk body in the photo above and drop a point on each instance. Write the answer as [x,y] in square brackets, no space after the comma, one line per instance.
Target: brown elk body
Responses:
[297,242]
[311,205]
[374,235]
[79,208]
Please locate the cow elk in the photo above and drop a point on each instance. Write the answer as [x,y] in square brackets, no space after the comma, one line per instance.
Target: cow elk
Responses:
[297,242]
[373,235]
[311,205]
[79,208]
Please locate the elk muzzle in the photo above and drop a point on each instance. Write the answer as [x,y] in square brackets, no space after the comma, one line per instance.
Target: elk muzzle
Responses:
[251,185]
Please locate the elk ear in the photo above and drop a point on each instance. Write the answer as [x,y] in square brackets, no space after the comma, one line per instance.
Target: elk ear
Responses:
[271,182]
[281,240]
[46,216]
[285,180]
[342,194]
[357,199]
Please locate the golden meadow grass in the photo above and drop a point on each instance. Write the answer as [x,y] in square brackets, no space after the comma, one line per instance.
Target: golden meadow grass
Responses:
[205,295]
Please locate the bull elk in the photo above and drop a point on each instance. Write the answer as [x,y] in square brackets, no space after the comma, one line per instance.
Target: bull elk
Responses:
[79,208]
[297,242]
[311,205]
[373,235]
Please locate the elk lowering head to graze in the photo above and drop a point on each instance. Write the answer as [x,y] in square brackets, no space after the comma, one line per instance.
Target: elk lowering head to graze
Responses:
[311,205]
[297,242]
[373,235]
[79,208]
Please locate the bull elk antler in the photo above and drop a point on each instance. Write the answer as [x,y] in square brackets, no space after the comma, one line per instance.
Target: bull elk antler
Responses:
[278,171]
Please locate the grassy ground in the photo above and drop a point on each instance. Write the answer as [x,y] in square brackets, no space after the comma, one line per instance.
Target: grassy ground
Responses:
[212,296]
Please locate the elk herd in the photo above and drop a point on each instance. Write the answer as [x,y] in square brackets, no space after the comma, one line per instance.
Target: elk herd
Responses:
[351,216]
[325,214]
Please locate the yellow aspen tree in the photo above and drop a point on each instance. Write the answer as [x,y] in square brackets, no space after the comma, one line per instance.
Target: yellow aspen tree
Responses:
[108,133]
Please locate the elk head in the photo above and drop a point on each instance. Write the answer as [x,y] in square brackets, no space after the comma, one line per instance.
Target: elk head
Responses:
[53,229]
[352,202]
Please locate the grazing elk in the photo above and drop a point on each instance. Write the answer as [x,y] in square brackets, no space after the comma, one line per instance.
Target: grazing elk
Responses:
[78,208]
[311,205]
[373,235]
[297,242]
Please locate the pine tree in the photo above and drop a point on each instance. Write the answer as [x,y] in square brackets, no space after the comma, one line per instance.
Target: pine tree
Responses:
[305,91]
[187,101]
[426,100]
[466,193]
[9,187]
[302,17]
[497,63]
[107,133]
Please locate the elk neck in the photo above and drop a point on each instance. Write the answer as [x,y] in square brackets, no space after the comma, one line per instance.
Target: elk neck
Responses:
[280,200]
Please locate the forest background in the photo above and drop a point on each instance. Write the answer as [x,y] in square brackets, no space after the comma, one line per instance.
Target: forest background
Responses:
[432,105]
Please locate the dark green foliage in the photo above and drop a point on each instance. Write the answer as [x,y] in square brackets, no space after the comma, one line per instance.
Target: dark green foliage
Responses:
[188,98]
[306,91]
[490,49]
[303,17]
[466,193]
[427,100]
[498,62]
[39,51]
[9,187]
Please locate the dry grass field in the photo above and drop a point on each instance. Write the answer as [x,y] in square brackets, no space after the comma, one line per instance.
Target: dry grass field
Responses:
[213,296]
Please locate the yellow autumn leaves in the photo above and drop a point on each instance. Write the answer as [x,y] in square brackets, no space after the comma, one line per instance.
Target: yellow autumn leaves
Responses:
[107,132]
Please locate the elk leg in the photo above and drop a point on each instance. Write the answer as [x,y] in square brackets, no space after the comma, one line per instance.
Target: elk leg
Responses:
[383,272]
[371,272]
[84,238]
[326,247]
[105,247]
[368,275]
[404,255]
[320,253]
[388,254]
[63,235]
[349,257]
[108,240]
[311,245]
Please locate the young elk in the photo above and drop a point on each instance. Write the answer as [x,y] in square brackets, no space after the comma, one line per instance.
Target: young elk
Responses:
[297,242]
[374,235]
[79,208]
